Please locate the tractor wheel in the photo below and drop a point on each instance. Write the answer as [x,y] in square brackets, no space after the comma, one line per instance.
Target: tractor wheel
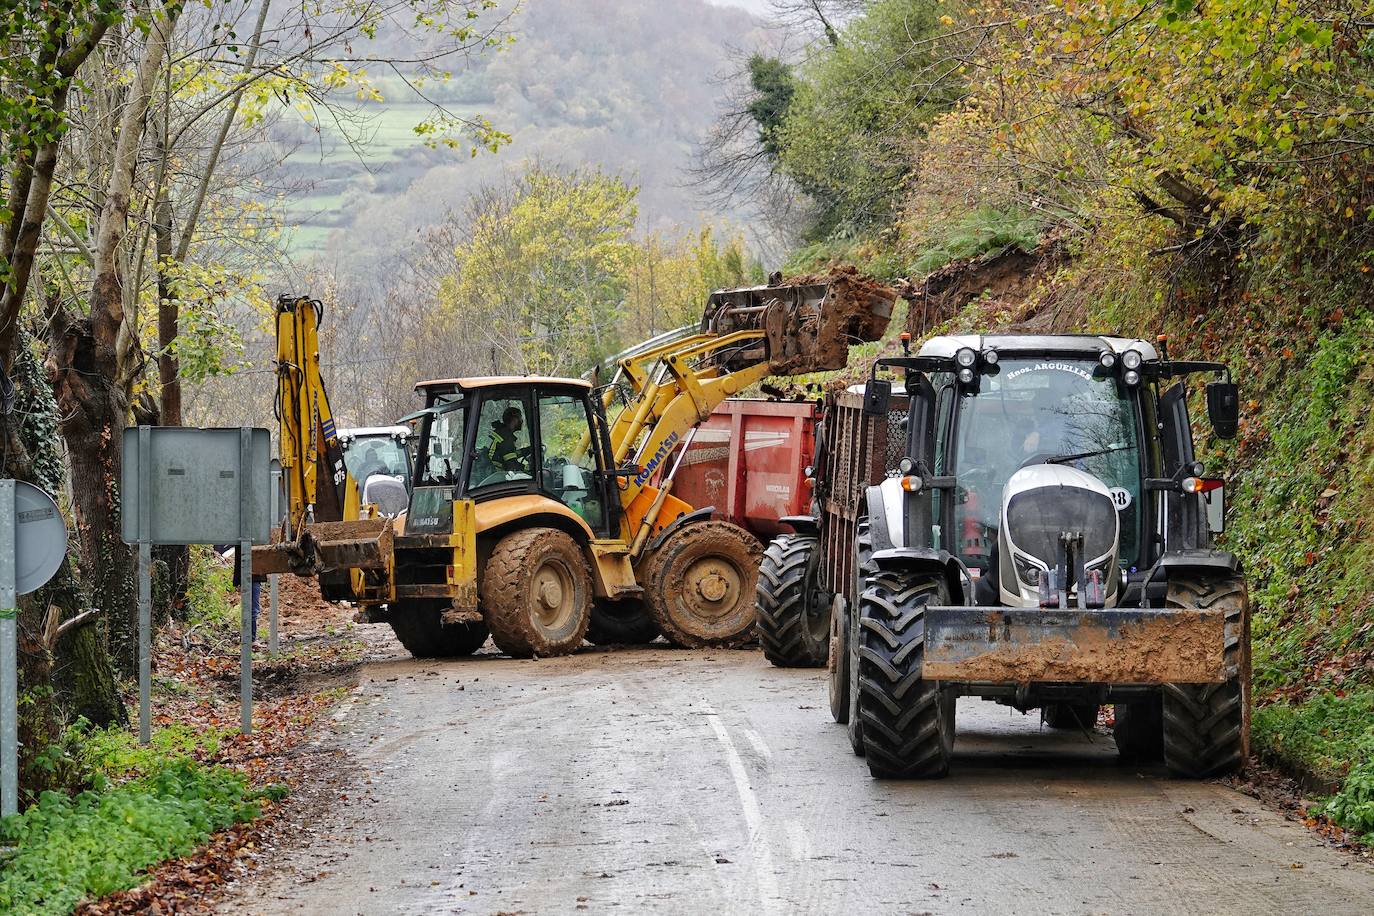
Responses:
[621,623]
[699,584]
[838,661]
[1207,726]
[537,593]
[1069,715]
[1139,730]
[793,614]
[908,722]
[419,627]
[863,552]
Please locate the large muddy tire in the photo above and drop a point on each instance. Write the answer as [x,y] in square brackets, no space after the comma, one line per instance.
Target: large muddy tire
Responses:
[621,623]
[1139,730]
[537,593]
[793,614]
[699,584]
[1207,726]
[863,558]
[1074,716]
[908,722]
[838,661]
[419,627]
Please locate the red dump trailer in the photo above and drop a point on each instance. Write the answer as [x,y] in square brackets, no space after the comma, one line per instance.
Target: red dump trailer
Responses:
[749,461]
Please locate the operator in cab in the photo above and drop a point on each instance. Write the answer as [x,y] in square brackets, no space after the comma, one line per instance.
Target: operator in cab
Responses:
[502,451]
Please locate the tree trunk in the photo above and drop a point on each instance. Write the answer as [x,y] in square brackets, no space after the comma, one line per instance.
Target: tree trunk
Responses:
[93,416]
[78,668]
[167,368]
[92,364]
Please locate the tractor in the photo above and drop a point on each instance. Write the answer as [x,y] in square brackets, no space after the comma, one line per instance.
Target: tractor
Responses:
[1022,518]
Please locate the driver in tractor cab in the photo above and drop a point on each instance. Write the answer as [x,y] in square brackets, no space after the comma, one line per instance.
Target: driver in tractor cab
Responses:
[502,451]
[373,462]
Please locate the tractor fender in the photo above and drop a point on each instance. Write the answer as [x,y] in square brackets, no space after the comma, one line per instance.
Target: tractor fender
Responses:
[927,561]
[1195,561]
[887,514]
[699,515]
[891,549]
[806,525]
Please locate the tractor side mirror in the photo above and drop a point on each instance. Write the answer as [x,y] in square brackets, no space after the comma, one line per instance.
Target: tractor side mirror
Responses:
[1223,408]
[877,397]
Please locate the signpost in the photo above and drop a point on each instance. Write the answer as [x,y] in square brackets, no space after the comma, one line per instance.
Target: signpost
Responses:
[33,543]
[272,579]
[195,486]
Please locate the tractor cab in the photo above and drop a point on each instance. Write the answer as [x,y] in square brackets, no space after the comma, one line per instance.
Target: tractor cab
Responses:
[379,462]
[486,439]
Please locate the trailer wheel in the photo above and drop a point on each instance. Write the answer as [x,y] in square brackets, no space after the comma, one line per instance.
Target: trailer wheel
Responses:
[537,593]
[1206,727]
[699,584]
[838,661]
[419,627]
[1139,730]
[908,722]
[1069,715]
[621,623]
[793,615]
[863,553]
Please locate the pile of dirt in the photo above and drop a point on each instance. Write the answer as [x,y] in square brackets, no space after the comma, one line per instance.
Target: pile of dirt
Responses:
[1011,279]
[302,608]
[856,309]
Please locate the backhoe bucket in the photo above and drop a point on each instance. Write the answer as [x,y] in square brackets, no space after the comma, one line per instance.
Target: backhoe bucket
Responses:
[810,322]
[328,547]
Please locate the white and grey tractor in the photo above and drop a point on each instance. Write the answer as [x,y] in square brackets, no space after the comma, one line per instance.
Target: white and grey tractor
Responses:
[1045,540]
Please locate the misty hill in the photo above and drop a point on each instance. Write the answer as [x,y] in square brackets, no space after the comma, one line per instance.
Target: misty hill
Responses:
[628,85]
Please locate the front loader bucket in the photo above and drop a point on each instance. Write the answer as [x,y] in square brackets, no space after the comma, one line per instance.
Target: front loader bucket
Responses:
[329,547]
[810,322]
[1096,646]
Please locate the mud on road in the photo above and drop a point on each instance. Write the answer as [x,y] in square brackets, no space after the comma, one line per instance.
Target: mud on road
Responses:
[688,782]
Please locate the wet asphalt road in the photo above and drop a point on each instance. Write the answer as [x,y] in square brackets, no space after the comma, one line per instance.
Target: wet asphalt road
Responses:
[708,782]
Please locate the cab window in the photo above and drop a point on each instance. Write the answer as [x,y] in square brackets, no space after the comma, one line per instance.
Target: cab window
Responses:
[501,448]
[568,461]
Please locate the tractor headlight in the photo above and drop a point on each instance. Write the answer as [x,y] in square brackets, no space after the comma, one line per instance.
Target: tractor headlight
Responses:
[966,357]
[990,357]
[1107,359]
[1131,359]
[966,376]
[1027,570]
[1131,377]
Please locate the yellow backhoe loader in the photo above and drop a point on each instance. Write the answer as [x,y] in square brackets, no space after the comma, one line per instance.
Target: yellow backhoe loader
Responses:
[534,517]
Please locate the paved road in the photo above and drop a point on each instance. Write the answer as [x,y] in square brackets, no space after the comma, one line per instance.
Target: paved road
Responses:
[685,782]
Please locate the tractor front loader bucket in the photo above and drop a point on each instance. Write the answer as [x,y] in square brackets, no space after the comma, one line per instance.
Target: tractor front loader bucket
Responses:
[1108,646]
[809,322]
[329,547]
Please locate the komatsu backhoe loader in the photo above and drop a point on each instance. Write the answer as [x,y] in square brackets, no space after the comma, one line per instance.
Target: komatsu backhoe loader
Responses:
[533,516]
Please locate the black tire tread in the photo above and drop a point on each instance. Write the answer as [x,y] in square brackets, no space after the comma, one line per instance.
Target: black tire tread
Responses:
[907,720]
[785,589]
[1206,726]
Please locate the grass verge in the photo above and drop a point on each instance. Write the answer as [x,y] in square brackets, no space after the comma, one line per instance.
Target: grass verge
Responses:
[144,805]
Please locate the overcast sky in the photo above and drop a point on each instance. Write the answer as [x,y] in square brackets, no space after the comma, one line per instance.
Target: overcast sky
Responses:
[754,6]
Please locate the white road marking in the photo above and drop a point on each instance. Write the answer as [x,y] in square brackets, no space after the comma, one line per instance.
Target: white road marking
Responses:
[762,856]
[759,744]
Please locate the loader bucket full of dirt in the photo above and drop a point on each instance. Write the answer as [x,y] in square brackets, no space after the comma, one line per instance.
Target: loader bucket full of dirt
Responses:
[325,547]
[810,322]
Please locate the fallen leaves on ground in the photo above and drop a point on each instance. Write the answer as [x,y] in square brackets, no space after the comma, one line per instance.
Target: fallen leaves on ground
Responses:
[196,683]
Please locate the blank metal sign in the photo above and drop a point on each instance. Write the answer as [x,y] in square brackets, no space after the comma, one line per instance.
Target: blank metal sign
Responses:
[195,485]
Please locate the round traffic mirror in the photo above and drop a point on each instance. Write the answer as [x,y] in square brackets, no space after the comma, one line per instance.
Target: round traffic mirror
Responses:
[40,542]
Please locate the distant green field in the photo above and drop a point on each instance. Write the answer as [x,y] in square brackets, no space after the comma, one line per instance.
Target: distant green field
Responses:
[386,134]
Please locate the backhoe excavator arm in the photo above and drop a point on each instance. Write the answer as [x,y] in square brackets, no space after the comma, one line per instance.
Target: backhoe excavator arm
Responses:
[311,456]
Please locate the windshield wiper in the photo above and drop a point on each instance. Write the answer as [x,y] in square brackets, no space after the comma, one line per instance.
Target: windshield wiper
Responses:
[1060,459]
